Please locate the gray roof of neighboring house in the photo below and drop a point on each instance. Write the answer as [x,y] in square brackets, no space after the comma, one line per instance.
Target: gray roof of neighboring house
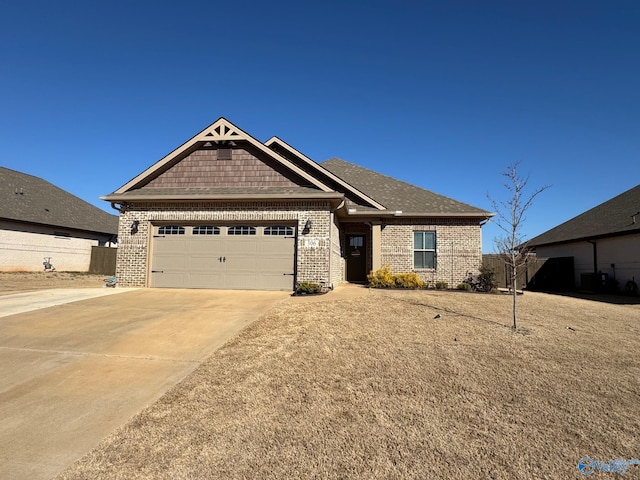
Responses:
[398,195]
[611,218]
[30,199]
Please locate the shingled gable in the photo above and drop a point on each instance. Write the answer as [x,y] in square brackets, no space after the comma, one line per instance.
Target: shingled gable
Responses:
[29,199]
[305,184]
[400,196]
[618,216]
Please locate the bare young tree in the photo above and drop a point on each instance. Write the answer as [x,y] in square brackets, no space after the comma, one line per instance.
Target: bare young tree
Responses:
[510,217]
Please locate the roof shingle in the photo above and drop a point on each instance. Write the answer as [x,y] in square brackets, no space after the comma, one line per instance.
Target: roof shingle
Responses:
[613,217]
[26,198]
[398,195]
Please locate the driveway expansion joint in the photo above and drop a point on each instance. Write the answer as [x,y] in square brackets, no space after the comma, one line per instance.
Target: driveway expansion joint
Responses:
[93,354]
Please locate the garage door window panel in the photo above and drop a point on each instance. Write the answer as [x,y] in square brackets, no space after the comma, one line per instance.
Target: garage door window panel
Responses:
[278,230]
[242,230]
[206,230]
[171,230]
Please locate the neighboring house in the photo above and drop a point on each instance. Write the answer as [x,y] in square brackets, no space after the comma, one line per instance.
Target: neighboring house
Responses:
[225,210]
[39,220]
[603,240]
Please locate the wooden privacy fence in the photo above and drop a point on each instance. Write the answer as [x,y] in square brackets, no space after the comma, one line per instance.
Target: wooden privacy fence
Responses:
[503,271]
[548,274]
[103,260]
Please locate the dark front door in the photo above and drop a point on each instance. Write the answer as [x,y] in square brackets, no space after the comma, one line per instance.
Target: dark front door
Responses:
[356,258]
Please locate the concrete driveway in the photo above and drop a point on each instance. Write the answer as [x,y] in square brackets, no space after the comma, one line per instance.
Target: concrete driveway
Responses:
[70,374]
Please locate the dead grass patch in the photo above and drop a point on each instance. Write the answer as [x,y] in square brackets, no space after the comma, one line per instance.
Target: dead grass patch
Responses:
[17,282]
[376,387]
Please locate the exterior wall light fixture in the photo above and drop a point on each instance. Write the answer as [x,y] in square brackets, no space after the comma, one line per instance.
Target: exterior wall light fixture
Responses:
[307,227]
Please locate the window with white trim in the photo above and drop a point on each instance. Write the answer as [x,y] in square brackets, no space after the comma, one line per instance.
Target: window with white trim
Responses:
[206,230]
[171,230]
[278,230]
[424,249]
[241,230]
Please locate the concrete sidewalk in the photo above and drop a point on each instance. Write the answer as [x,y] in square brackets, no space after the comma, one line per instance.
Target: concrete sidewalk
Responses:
[72,373]
[29,301]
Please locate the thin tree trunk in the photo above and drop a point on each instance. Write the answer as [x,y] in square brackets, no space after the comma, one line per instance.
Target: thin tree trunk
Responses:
[515,285]
[510,217]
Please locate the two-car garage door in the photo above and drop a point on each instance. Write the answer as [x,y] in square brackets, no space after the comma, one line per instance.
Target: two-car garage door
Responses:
[251,257]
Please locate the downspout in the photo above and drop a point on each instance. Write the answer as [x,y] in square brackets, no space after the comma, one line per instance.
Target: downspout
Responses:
[595,255]
[338,207]
[482,224]
[120,208]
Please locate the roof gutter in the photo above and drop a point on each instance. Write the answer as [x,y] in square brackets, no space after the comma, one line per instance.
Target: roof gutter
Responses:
[334,197]
[120,208]
[352,212]
[586,239]
[487,219]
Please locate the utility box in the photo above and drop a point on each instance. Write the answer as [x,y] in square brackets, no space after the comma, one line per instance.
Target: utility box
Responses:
[594,282]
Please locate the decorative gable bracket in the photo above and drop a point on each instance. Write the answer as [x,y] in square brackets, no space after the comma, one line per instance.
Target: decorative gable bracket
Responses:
[220,131]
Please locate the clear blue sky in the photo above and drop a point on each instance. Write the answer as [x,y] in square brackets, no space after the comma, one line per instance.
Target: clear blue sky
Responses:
[440,94]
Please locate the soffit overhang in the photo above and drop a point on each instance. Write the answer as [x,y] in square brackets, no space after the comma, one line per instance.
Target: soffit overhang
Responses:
[335,199]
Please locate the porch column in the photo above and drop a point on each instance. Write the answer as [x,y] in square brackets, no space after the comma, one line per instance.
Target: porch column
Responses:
[376,247]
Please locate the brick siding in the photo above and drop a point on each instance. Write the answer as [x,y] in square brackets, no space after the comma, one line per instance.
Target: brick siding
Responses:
[337,261]
[319,258]
[458,248]
[313,248]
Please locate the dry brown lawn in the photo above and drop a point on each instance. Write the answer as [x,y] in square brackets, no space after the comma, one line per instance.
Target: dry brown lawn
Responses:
[376,387]
[17,282]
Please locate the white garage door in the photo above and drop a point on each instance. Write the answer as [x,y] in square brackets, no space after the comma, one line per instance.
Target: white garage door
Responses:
[247,257]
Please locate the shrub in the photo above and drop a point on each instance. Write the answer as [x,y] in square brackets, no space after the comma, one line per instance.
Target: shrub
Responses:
[487,279]
[440,285]
[381,278]
[307,287]
[408,280]
[464,286]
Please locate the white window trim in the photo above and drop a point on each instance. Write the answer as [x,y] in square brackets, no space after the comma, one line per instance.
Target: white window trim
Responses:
[434,249]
